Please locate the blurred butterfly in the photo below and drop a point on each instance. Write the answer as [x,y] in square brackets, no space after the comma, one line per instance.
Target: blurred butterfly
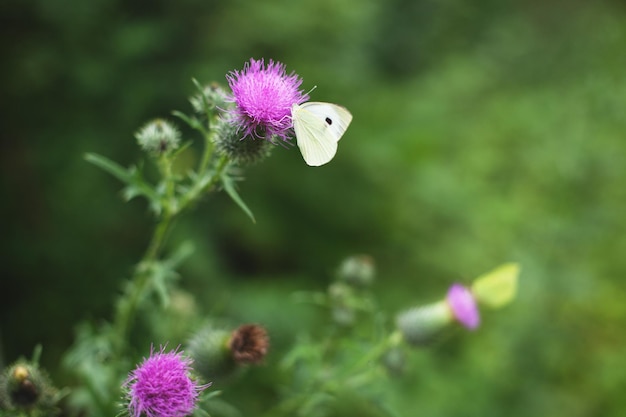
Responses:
[318,127]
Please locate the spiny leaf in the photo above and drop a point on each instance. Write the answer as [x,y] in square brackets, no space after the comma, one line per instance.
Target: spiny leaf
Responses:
[229,187]
[191,121]
[183,252]
[132,177]
[162,276]
[109,166]
[205,103]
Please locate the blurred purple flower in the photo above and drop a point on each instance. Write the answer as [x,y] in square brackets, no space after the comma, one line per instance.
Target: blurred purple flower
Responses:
[161,386]
[463,306]
[263,95]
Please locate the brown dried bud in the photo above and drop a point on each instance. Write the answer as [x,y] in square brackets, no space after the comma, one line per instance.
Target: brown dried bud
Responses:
[249,344]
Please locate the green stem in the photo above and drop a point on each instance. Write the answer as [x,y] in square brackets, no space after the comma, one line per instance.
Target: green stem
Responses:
[204,183]
[157,241]
[208,149]
[165,166]
[172,206]
[221,164]
[128,304]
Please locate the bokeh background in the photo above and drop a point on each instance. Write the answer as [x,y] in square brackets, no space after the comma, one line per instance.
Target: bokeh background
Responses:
[484,132]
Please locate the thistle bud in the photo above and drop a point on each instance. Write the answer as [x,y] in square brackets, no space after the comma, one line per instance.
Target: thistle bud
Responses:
[217,352]
[242,150]
[420,325]
[394,361]
[158,136]
[211,354]
[24,387]
[357,270]
[343,301]
[211,97]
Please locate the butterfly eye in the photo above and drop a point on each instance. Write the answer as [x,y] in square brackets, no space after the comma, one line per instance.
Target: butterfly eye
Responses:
[329,121]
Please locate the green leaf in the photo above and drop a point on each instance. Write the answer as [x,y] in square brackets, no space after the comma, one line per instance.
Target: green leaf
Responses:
[163,273]
[132,177]
[205,103]
[109,166]
[197,84]
[213,405]
[191,121]
[180,150]
[184,251]
[160,287]
[36,354]
[229,187]
[162,277]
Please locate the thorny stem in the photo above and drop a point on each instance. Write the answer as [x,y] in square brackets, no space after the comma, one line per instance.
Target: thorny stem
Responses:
[203,183]
[128,304]
[209,140]
[136,288]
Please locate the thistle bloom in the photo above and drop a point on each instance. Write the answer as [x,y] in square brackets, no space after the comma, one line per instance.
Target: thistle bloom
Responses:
[263,96]
[463,306]
[161,386]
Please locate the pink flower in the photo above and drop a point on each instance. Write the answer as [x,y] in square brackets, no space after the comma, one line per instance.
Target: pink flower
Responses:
[161,386]
[263,96]
[463,306]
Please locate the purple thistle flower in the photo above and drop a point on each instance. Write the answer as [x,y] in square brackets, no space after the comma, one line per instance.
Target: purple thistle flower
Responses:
[161,386]
[463,306]
[263,95]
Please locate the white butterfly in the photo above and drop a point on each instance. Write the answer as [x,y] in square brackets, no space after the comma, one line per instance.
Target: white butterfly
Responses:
[318,127]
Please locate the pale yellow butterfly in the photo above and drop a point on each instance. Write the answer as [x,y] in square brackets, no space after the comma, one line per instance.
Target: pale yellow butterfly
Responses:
[318,127]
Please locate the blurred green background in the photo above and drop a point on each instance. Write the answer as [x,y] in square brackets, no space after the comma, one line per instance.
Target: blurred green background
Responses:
[483,132]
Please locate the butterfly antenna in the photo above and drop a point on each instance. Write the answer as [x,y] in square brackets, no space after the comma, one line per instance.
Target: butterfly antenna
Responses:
[311,90]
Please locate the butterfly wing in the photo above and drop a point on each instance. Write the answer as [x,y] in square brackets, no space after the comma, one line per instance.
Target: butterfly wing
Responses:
[318,127]
[316,143]
[335,117]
